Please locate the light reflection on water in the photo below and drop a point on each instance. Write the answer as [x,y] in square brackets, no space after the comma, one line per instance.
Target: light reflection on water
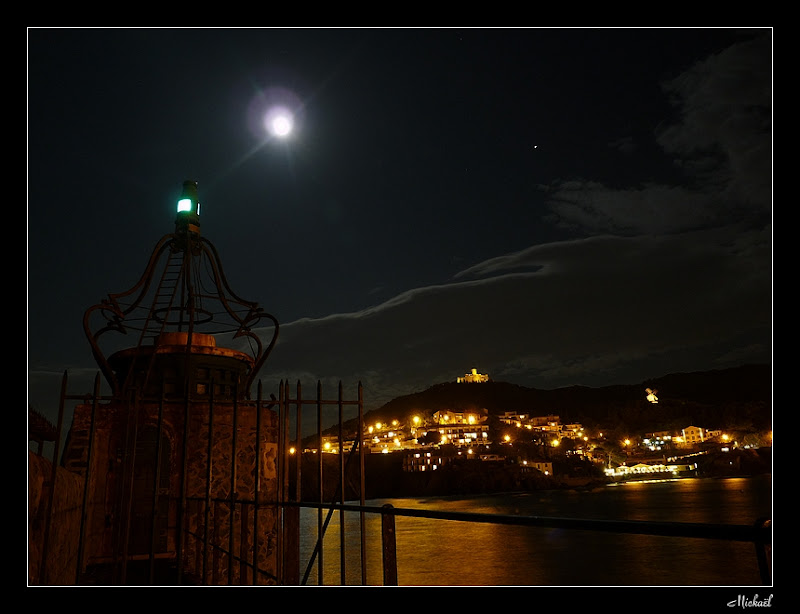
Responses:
[453,553]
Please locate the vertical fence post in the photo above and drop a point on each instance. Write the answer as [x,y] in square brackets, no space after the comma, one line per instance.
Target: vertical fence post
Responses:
[389,542]
[216,556]
[154,511]
[283,395]
[207,495]
[257,484]
[292,544]
[762,550]
[342,486]
[85,505]
[292,513]
[362,483]
[43,570]
[182,537]
[321,484]
[199,551]
[233,492]
[244,539]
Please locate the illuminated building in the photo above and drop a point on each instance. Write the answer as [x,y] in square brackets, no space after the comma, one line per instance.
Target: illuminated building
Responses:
[693,435]
[652,470]
[423,461]
[546,467]
[473,378]
[462,428]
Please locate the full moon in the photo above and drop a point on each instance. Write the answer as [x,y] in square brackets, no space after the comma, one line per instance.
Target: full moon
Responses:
[275,113]
[279,123]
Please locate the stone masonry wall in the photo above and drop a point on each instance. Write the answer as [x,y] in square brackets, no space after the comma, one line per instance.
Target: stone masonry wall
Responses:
[62,545]
[223,528]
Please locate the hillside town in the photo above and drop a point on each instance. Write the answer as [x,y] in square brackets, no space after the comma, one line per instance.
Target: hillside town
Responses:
[541,444]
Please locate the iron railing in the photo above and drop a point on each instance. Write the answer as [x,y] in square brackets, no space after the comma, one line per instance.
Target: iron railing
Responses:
[217,562]
[759,533]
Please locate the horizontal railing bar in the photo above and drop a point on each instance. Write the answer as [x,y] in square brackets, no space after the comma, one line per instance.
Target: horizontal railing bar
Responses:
[311,401]
[760,532]
[249,402]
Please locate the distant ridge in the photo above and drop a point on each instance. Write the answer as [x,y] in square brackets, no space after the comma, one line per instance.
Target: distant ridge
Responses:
[722,398]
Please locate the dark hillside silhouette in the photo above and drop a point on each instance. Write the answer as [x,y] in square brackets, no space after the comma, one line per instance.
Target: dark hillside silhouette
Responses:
[726,398]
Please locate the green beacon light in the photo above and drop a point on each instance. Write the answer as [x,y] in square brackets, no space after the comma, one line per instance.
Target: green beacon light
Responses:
[188,209]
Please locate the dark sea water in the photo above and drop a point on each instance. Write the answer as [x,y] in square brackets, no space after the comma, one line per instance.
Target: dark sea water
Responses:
[455,553]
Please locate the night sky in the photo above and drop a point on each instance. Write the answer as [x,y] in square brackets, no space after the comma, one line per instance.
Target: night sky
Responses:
[554,207]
